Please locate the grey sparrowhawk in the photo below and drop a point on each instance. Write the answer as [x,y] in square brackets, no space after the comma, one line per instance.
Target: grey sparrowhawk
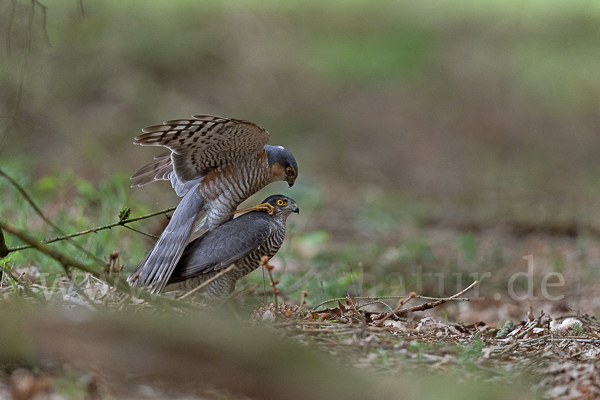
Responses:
[242,241]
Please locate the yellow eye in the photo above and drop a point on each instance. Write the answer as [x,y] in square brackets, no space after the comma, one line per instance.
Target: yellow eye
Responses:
[280,202]
[289,171]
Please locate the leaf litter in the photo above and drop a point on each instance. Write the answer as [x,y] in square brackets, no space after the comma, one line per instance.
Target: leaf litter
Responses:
[560,355]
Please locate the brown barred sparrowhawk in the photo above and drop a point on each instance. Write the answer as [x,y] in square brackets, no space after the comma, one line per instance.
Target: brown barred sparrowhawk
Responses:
[215,164]
[242,241]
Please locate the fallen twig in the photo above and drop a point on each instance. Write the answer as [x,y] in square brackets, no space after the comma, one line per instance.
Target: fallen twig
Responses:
[378,298]
[376,302]
[194,290]
[427,306]
[7,272]
[400,304]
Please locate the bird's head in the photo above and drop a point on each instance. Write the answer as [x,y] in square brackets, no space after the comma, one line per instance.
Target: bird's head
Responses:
[276,205]
[282,163]
[282,204]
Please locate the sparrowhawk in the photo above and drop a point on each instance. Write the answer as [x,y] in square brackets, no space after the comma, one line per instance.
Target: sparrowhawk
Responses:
[215,164]
[242,241]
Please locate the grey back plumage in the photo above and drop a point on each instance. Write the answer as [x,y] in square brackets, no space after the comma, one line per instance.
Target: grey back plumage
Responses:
[242,241]
[219,248]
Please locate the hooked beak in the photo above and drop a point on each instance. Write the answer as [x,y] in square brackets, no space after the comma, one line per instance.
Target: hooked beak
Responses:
[296,209]
[265,207]
[291,181]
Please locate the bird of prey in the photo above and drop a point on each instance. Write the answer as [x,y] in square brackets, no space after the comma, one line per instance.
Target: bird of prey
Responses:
[214,164]
[242,241]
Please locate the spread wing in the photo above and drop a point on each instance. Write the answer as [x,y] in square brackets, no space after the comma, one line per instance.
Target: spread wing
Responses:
[224,245]
[198,145]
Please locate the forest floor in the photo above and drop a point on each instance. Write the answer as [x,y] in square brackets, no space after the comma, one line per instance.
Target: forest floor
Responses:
[550,354]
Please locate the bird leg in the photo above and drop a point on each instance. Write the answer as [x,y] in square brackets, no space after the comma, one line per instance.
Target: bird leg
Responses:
[266,207]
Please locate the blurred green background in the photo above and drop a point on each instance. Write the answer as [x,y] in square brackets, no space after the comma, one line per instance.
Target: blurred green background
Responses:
[450,135]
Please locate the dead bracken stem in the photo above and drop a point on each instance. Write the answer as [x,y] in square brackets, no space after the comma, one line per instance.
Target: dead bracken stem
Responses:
[112,265]
[303,299]
[264,262]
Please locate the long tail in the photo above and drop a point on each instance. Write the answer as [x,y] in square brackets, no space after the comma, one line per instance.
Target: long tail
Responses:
[156,268]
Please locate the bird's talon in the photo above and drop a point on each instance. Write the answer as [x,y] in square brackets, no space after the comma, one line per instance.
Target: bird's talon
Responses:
[267,207]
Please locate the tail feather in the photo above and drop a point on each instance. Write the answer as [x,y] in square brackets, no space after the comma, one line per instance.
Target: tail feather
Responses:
[156,268]
[161,169]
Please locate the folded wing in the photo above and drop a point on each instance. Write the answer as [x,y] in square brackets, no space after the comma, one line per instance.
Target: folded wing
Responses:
[218,248]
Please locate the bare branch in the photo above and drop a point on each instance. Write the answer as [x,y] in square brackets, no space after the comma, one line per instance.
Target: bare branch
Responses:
[100,228]
[29,200]
[44,248]
[141,232]
[3,249]
[9,26]
[41,214]
[26,53]
[21,78]
[44,12]
[96,272]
